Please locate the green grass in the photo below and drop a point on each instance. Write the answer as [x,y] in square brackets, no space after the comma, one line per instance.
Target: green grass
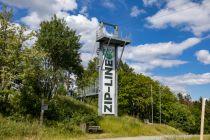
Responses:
[112,126]
[128,126]
[12,130]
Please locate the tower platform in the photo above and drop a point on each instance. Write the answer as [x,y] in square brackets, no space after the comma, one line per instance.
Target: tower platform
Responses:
[112,40]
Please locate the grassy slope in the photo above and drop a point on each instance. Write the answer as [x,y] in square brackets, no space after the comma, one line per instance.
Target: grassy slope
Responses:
[112,127]
[10,129]
[128,126]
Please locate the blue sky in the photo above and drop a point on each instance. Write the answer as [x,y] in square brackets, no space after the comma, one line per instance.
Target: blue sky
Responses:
[170,39]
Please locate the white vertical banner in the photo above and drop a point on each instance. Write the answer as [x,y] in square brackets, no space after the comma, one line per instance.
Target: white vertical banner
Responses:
[108,80]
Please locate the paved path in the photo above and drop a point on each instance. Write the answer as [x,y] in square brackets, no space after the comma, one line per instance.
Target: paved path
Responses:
[168,137]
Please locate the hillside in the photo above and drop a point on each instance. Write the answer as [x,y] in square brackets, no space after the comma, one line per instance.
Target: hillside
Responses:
[21,127]
[113,127]
[129,126]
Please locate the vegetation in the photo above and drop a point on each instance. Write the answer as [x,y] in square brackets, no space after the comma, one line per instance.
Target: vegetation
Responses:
[61,45]
[123,126]
[29,75]
[135,99]
[62,121]
[64,108]
[129,126]
[11,129]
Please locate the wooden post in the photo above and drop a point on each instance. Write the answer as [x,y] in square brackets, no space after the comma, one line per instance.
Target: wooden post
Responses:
[152,102]
[42,111]
[2,85]
[160,103]
[202,118]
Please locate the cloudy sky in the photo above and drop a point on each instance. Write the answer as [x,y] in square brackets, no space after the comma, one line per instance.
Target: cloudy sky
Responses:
[170,38]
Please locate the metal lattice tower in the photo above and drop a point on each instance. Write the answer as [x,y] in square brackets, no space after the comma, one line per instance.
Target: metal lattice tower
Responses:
[106,86]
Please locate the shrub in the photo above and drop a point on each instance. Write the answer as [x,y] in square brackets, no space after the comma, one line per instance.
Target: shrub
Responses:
[8,101]
[64,108]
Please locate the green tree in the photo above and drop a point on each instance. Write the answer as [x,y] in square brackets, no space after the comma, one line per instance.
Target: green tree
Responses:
[61,44]
[34,83]
[196,111]
[179,116]
[12,39]
[207,118]
[62,47]
[8,40]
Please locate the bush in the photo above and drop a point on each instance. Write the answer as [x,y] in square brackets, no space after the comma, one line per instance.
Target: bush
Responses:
[64,108]
[23,130]
[8,101]
[62,90]
[9,128]
[181,118]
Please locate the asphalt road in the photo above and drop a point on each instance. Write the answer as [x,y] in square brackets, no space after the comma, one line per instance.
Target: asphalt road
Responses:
[168,137]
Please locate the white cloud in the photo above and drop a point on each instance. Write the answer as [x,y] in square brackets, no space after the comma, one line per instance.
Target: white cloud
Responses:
[108,4]
[161,49]
[86,28]
[145,66]
[84,11]
[43,7]
[43,10]
[86,57]
[135,11]
[166,63]
[186,79]
[27,33]
[181,13]
[149,56]
[180,82]
[32,20]
[150,2]
[31,40]
[203,56]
